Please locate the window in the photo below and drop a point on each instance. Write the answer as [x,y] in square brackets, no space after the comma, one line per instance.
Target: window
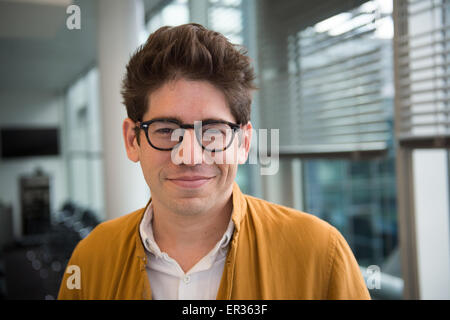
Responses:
[347,79]
[84,147]
[332,98]
[225,16]
[423,72]
[172,14]
[341,82]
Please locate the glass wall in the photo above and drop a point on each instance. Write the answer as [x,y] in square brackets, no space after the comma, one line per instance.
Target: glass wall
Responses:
[83,141]
[358,196]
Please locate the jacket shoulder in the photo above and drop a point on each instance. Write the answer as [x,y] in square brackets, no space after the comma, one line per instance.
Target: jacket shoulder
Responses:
[271,215]
[307,249]
[120,229]
[100,256]
[108,238]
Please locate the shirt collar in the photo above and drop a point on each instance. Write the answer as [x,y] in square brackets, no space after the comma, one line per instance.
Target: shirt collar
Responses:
[146,233]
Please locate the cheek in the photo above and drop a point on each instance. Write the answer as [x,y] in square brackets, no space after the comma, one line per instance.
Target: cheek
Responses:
[152,162]
[227,173]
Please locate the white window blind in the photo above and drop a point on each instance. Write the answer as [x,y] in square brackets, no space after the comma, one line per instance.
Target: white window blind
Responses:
[336,92]
[422,72]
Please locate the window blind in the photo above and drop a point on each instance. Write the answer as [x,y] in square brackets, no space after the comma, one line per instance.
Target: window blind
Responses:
[422,43]
[334,93]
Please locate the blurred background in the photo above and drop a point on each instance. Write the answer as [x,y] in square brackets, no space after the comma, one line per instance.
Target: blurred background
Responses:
[358,89]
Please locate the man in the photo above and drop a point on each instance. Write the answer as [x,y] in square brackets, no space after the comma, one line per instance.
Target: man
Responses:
[188,94]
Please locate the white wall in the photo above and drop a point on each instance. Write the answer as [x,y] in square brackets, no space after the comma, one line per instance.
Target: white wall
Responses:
[39,110]
[431,192]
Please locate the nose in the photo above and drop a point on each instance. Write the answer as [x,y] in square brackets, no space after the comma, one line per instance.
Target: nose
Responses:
[189,151]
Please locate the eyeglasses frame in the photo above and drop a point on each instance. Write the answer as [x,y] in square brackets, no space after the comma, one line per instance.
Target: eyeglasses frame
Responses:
[146,124]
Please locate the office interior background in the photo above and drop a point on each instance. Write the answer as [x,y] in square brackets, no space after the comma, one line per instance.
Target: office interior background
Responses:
[359,91]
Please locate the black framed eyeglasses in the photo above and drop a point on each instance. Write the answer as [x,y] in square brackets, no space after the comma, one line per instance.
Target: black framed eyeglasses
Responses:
[212,135]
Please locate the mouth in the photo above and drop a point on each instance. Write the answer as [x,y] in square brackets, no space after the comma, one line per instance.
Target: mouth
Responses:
[190,181]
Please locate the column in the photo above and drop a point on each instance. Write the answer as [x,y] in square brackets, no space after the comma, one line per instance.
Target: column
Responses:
[119,26]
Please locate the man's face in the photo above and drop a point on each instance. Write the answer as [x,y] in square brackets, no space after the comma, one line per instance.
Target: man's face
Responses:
[191,185]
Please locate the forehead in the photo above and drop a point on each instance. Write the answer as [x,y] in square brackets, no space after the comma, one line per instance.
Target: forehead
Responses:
[189,101]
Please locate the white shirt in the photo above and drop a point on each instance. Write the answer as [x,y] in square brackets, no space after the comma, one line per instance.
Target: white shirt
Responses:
[168,280]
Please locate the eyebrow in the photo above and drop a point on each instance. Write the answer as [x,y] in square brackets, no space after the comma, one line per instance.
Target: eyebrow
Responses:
[215,119]
[167,118]
[179,120]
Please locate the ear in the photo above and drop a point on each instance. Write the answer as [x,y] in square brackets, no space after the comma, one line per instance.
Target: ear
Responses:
[129,136]
[245,142]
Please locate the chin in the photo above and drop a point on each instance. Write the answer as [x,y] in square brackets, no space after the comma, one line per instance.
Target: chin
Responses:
[188,206]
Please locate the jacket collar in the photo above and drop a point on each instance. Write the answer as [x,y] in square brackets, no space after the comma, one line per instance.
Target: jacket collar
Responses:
[238,215]
[239,206]
[142,257]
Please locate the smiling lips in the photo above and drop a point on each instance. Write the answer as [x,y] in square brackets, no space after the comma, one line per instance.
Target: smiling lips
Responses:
[190,181]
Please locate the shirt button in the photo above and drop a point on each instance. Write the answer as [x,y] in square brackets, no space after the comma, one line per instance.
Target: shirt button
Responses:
[187,279]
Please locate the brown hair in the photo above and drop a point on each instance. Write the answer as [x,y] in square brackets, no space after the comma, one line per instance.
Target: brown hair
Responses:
[193,52]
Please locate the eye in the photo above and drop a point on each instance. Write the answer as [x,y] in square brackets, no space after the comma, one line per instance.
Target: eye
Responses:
[164,131]
[213,131]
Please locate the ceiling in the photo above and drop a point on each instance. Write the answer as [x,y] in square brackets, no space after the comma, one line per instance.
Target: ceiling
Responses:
[37,51]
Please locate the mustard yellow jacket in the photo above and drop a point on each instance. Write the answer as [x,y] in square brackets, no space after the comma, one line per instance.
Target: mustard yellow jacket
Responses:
[276,253]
